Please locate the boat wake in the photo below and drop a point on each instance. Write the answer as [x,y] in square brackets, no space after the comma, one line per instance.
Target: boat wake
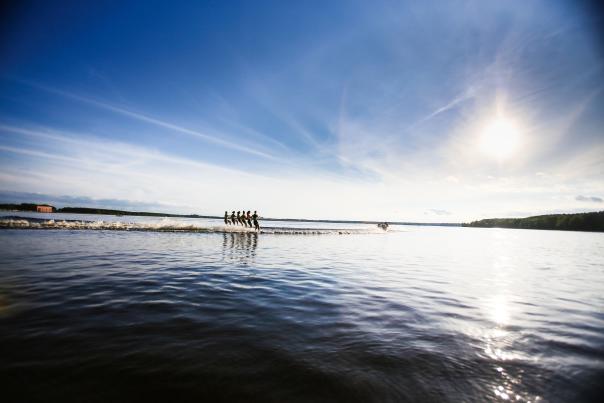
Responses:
[165,225]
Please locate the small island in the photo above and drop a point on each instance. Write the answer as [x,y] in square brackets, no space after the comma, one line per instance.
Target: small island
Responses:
[593,221]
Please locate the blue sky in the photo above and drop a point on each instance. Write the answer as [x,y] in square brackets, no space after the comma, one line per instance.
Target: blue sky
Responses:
[351,110]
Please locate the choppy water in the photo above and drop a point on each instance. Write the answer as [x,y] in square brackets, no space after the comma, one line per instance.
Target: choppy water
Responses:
[173,224]
[422,314]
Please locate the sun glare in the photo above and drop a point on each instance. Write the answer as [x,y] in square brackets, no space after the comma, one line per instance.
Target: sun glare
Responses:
[500,139]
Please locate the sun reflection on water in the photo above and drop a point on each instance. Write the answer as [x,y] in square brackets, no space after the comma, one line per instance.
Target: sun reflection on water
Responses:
[508,386]
[500,334]
[500,313]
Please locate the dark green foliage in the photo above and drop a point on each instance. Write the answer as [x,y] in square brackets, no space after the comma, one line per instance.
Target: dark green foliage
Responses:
[567,222]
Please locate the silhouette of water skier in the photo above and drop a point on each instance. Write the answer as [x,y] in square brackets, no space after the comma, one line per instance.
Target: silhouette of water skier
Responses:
[255,219]
[248,218]
[226,218]
[233,218]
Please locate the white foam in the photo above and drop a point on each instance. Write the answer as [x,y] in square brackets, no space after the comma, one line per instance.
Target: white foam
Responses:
[167,225]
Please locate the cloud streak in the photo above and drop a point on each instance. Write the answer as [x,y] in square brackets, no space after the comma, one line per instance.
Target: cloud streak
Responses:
[156,122]
[592,199]
[108,148]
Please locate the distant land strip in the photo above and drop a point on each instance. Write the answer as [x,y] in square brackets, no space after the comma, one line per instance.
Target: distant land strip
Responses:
[593,221]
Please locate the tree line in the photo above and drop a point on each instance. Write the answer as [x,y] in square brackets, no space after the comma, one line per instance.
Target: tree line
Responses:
[567,222]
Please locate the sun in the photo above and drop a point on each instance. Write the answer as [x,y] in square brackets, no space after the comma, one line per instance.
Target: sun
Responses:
[500,139]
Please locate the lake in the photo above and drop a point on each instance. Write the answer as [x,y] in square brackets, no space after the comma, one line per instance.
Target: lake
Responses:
[340,313]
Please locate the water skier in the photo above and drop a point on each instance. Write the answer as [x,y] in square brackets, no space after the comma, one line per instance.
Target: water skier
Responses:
[248,218]
[226,218]
[233,218]
[255,219]
[239,217]
[243,220]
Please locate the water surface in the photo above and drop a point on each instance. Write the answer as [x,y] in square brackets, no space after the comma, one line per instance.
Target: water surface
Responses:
[420,314]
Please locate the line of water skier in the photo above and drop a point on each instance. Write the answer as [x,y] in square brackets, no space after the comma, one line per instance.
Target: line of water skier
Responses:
[245,219]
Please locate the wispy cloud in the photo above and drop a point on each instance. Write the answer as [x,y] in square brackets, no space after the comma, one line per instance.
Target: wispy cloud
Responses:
[439,212]
[36,153]
[108,148]
[448,106]
[264,94]
[154,121]
[593,199]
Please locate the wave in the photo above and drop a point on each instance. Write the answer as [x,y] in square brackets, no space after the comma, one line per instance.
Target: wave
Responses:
[166,225]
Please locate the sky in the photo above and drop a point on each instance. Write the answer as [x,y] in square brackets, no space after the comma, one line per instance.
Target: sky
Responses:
[431,111]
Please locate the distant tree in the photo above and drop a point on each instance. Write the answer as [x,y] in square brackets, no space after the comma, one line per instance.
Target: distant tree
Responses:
[568,222]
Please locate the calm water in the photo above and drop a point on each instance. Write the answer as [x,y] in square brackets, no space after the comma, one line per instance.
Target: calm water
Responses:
[422,314]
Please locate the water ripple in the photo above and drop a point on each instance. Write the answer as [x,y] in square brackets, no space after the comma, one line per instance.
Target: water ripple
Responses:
[116,316]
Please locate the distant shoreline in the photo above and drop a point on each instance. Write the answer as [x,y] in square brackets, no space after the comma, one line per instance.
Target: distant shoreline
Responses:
[588,222]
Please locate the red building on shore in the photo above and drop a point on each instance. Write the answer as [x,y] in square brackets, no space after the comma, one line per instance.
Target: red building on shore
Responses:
[45,209]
